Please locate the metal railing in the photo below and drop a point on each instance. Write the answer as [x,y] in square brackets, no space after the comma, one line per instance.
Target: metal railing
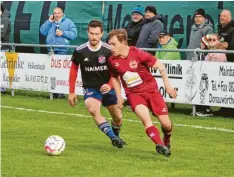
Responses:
[197,52]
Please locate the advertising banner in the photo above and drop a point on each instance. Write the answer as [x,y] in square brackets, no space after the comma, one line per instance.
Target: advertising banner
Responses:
[24,71]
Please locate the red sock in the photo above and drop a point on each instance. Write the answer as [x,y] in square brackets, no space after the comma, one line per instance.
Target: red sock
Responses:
[154,135]
[167,135]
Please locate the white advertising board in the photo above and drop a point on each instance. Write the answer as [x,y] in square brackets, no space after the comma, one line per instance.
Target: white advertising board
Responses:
[59,75]
[24,71]
[199,83]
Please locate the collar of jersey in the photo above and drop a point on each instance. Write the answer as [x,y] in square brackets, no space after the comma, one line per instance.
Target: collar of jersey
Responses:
[94,50]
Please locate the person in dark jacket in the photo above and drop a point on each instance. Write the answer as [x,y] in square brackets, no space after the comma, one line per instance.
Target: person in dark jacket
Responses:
[226,31]
[134,27]
[148,37]
[200,28]
[5,27]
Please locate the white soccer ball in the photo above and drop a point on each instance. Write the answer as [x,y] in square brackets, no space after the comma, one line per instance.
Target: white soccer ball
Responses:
[54,145]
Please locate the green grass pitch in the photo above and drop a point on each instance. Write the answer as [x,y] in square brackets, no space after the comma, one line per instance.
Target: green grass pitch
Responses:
[196,152]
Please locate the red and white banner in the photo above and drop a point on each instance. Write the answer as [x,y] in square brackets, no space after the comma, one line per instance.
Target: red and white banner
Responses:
[59,75]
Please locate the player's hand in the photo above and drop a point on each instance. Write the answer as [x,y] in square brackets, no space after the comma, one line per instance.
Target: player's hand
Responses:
[51,18]
[59,32]
[105,88]
[72,99]
[171,91]
[120,102]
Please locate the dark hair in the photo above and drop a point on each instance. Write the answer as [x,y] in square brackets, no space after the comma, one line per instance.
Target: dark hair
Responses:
[121,35]
[95,24]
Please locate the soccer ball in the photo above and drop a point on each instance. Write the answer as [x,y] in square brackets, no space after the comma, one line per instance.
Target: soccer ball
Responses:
[54,145]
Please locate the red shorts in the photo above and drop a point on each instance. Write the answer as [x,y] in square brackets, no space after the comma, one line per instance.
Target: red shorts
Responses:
[153,100]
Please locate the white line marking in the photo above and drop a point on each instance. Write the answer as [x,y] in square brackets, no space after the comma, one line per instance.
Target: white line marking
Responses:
[129,120]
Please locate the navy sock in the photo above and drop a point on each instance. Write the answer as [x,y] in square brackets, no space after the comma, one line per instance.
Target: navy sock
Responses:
[105,128]
[116,128]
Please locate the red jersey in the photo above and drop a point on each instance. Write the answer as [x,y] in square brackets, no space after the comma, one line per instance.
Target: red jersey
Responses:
[134,71]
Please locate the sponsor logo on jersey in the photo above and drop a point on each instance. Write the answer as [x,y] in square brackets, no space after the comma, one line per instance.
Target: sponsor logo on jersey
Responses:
[116,64]
[86,59]
[133,64]
[101,59]
[96,68]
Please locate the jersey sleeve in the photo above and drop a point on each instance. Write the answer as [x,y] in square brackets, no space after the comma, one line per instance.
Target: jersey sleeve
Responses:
[75,57]
[72,77]
[111,69]
[147,58]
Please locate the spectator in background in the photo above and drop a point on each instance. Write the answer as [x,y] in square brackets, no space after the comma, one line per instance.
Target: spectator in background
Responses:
[226,31]
[200,28]
[5,12]
[148,37]
[212,42]
[5,27]
[134,27]
[216,44]
[59,30]
[167,42]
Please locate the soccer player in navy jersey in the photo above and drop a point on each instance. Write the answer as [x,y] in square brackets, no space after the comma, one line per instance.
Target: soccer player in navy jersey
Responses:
[92,57]
[131,65]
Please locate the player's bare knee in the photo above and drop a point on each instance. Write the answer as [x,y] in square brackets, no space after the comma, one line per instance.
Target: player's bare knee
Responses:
[92,110]
[167,126]
[117,118]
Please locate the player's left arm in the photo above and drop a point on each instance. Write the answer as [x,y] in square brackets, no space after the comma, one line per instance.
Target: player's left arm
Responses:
[105,88]
[169,89]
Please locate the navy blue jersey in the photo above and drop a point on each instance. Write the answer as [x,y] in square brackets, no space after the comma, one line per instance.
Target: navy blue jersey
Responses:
[93,64]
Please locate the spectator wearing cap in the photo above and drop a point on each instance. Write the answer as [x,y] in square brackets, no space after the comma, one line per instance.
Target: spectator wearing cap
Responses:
[204,45]
[200,28]
[211,42]
[226,31]
[148,37]
[134,27]
[167,42]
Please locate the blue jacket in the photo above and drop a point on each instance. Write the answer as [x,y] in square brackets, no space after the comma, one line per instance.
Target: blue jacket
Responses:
[69,33]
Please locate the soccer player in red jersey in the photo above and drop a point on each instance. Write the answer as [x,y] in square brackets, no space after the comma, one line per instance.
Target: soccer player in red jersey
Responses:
[131,65]
[92,57]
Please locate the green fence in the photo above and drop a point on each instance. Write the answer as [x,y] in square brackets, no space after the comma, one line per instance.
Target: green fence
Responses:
[28,16]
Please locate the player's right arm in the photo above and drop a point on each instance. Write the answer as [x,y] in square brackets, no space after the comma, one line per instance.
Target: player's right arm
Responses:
[72,98]
[116,84]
